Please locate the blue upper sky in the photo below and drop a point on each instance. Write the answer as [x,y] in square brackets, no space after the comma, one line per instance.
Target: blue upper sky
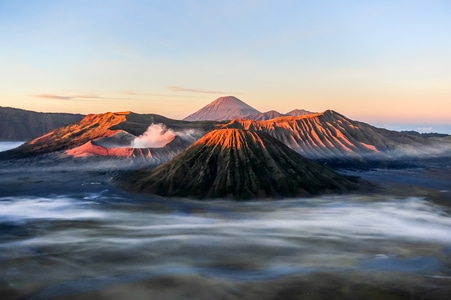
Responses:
[376,61]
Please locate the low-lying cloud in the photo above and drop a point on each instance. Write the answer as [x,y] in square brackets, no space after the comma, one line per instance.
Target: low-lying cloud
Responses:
[156,136]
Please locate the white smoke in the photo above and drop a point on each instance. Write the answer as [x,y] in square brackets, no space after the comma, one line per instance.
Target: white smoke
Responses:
[156,136]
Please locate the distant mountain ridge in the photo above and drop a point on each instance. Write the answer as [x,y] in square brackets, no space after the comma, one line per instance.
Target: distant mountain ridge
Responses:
[272,114]
[22,125]
[298,112]
[230,107]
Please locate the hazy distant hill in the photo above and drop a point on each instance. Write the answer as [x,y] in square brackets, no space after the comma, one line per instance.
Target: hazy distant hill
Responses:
[265,116]
[229,108]
[299,112]
[21,125]
[224,108]
[272,114]
[238,164]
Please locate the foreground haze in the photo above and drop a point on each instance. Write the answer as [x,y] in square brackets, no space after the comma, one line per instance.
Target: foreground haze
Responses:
[68,233]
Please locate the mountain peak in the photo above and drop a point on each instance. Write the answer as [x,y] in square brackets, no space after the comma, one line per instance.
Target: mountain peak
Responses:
[238,164]
[229,100]
[223,108]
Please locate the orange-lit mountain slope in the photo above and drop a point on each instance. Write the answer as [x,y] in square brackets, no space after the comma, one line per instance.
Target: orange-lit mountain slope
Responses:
[113,134]
[332,135]
[327,136]
[91,127]
[238,164]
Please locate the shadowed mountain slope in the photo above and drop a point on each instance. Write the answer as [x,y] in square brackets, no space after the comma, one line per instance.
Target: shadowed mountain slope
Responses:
[224,108]
[238,164]
[22,125]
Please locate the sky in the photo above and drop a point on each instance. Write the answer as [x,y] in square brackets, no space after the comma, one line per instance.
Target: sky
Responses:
[387,63]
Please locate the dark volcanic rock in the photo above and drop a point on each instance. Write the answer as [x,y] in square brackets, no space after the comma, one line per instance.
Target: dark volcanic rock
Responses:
[238,164]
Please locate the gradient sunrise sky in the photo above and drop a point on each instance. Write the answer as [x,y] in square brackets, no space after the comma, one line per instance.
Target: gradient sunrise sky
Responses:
[383,62]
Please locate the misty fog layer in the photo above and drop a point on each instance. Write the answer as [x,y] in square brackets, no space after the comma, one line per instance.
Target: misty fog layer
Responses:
[102,238]
[4,146]
[331,218]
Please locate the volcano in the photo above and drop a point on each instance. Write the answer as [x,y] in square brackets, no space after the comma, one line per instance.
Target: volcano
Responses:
[223,108]
[238,164]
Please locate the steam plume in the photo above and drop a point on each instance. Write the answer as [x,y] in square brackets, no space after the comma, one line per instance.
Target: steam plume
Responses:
[156,136]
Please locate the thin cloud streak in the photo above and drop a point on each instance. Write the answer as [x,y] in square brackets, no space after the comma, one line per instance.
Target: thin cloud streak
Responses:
[191,90]
[52,96]
[73,97]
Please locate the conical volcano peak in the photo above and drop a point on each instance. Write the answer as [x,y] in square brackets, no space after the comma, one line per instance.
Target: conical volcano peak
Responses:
[238,164]
[231,138]
[229,101]
[223,108]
